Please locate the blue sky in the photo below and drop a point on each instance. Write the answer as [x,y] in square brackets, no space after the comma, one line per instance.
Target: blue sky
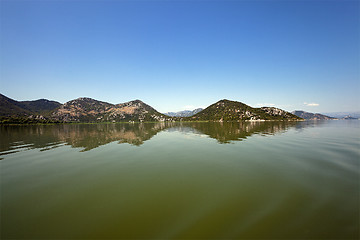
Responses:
[177,55]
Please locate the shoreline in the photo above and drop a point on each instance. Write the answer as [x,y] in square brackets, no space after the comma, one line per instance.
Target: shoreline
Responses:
[167,122]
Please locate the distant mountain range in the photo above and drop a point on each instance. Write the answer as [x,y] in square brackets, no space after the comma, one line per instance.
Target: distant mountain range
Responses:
[342,115]
[185,113]
[311,116]
[318,116]
[91,110]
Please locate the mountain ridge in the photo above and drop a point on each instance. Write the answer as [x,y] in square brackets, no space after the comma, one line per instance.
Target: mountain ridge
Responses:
[91,110]
[85,109]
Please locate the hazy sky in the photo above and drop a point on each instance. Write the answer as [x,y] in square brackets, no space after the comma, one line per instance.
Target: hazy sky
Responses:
[177,55]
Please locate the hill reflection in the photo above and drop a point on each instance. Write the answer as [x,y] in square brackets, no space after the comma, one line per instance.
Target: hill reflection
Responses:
[238,131]
[90,136]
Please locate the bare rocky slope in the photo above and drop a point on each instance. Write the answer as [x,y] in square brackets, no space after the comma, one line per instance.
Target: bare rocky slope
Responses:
[91,110]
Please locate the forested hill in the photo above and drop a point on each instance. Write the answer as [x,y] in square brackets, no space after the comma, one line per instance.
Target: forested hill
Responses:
[226,110]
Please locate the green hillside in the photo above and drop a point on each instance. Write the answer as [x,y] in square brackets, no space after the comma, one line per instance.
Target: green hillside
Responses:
[11,107]
[226,110]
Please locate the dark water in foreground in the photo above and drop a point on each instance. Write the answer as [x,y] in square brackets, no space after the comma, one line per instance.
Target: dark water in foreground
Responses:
[271,180]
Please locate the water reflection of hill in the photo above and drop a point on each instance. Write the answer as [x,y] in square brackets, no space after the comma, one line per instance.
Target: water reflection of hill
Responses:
[90,136]
[236,131]
[86,136]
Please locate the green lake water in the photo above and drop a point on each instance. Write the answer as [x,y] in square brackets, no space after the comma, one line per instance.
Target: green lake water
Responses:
[254,180]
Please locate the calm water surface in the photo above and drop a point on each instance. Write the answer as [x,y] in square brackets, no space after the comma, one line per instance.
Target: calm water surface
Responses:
[270,180]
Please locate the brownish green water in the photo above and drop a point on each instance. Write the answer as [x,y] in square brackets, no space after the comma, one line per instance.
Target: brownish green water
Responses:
[272,180]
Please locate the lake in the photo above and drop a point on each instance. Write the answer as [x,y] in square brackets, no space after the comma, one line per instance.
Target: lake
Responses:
[250,180]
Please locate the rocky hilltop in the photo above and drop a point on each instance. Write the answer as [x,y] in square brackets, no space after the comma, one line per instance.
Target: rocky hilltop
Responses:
[277,112]
[91,110]
[226,110]
[311,116]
